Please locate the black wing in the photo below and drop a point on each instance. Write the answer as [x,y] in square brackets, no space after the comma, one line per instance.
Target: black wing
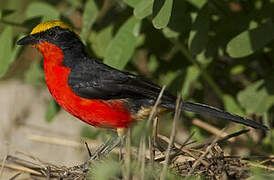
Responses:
[95,80]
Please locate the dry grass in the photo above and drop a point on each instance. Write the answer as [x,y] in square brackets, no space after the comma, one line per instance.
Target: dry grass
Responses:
[202,159]
[187,159]
[207,160]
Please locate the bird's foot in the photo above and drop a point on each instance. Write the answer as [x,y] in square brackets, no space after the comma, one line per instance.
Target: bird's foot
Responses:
[100,152]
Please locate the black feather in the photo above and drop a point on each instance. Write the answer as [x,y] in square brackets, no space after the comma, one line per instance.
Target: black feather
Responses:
[92,79]
[218,113]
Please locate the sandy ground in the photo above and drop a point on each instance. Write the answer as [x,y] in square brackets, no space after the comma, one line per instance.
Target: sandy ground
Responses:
[24,129]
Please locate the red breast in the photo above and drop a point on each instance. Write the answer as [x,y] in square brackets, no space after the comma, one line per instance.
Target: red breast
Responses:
[101,113]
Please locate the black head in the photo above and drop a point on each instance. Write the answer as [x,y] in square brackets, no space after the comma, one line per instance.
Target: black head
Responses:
[59,34]
[54,32]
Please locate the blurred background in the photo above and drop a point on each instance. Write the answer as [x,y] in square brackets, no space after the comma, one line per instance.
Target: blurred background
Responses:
[216,52]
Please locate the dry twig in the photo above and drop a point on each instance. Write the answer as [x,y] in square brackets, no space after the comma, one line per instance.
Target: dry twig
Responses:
[172,136]
[154,109]
[222,139]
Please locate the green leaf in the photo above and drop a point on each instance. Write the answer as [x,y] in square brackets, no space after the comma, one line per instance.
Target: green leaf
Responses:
[180,21]
[5,12]
[74,3]
[132,3]
[140,40]
[99,41]
[255,98]
[122,46]
[161,13]
[14,4]
[14,17]
[34,74]
[143,9]
[169,33]
[42,9]
[153,64]
[238,69]
[5,50]
[198,37]
[250,41]
[197,3]
[31,22]
[232,106]
[52,109]
[192,74]
[89,17]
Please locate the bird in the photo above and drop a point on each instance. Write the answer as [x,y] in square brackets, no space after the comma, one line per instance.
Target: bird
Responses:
[98,94]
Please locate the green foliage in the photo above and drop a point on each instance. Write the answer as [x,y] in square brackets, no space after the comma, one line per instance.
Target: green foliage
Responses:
[89,17]
[231,105]
[250,41]
[188,45]
[161,13]
[121,47]
[199,34]
[42,9]
[191,76]
[213,52]
[5,12]
[8,52]
[132,3]
[100,40]
[143,9]
[197,3]
[256,98]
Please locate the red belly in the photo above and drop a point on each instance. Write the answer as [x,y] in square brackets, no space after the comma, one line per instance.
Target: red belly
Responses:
[101,113]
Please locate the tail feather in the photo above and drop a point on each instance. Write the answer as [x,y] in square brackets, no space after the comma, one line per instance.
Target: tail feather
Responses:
[215,112]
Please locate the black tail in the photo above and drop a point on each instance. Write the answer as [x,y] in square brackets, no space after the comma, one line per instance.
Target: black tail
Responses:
[215,112]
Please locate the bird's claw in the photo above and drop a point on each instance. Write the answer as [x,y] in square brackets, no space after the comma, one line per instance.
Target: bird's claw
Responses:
[100,152]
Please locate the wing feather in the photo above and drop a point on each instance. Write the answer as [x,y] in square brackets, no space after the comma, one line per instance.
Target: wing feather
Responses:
[95,80]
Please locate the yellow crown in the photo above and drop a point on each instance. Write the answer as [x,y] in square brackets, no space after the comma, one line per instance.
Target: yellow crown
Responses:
[49,24]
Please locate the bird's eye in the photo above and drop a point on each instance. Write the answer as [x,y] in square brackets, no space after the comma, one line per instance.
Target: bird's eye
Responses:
[51,34]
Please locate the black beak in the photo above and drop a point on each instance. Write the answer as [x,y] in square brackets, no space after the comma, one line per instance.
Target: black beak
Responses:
[29,39]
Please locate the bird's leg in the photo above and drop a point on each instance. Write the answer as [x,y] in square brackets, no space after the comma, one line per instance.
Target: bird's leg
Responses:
[154,137]
[122,145]
[96,154]
[118,141]
[121,134]
[99,150]
[105,148]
